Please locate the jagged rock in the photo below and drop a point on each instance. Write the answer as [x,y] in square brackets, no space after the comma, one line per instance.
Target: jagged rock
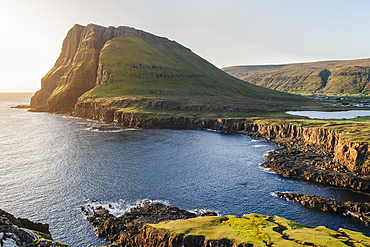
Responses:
[131,229]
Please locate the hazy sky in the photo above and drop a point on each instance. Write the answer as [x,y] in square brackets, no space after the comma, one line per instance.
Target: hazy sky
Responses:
[234,32]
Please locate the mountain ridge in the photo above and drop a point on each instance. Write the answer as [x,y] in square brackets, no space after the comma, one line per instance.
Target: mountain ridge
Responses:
[336,76]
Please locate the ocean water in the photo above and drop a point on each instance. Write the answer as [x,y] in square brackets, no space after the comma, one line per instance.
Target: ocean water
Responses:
[50,165]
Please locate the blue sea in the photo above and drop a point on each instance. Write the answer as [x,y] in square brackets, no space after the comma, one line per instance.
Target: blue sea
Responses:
[50,165]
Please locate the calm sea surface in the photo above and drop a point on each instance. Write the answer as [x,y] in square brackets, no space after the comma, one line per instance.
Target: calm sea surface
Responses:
[50,164]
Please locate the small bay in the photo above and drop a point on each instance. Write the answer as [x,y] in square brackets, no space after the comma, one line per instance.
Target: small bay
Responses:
[51,164]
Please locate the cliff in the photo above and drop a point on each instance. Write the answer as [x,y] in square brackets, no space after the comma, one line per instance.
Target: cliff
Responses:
[346,76]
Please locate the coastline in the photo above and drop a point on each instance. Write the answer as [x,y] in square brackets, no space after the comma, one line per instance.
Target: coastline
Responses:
[311,154]
[159,225]
[287,136]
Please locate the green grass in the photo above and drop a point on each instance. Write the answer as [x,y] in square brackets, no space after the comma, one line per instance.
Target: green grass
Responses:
[258,230]
[352,130]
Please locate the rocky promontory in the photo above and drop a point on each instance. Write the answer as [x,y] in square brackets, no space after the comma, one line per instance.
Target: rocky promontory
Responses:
[358,210]
[132,229]
[159,225]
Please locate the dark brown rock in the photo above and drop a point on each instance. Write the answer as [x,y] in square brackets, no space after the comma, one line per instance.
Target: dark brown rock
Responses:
[359,210]
[131,229]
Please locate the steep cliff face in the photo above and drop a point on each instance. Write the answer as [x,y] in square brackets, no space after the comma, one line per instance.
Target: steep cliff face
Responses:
[74,72]
[16,232]
[354,156]
[52,79]
[77,69]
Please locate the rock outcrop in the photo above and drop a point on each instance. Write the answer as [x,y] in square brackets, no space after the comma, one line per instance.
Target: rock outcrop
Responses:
[78,68]
[132,229]
[180,228]
[308,165]
[358,210]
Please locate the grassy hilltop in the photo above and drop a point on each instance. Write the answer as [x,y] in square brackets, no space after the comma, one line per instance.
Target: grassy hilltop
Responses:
[329,77]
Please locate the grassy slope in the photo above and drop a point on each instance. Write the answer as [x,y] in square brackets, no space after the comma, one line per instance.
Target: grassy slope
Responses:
[348,76]
[259,229]
[173,73]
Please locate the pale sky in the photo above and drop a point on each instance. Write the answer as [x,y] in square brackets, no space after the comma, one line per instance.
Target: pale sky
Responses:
[226,33]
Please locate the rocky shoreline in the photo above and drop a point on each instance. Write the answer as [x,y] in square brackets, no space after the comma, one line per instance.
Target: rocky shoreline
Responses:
[132,229]
[307,165]
[159,225]
[312,154]
[357,210]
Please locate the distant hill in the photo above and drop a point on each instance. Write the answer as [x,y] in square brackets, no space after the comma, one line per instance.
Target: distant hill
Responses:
[349,76]
[108,64]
